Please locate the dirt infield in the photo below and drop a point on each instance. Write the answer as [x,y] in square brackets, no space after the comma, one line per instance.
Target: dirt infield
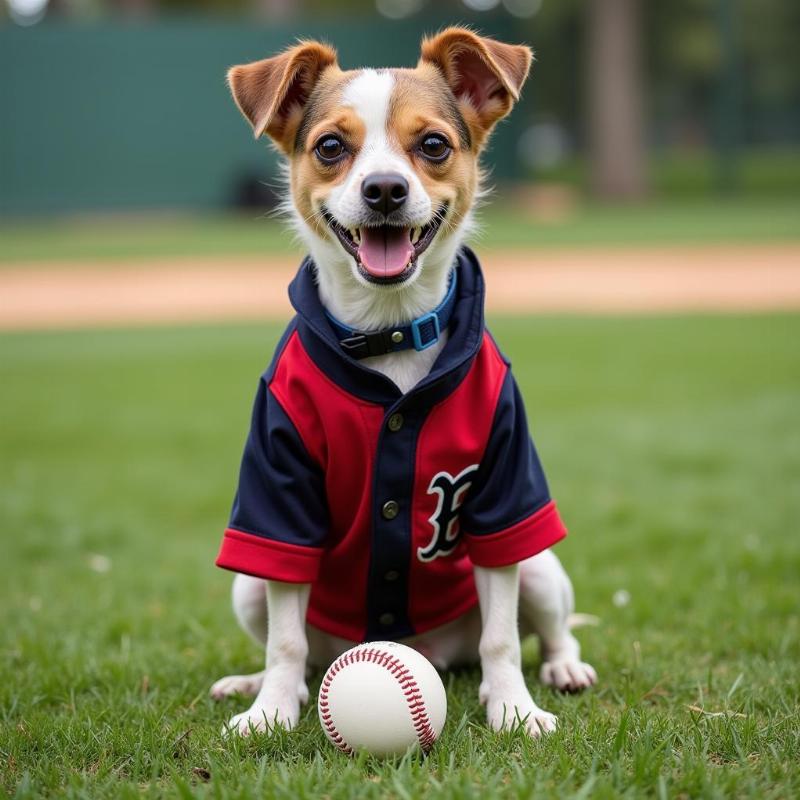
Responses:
[586,280]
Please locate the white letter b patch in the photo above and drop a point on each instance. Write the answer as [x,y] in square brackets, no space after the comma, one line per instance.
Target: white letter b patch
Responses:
[444,520]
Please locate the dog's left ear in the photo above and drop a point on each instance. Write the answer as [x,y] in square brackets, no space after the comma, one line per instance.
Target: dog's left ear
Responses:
[485,75]
[272,93]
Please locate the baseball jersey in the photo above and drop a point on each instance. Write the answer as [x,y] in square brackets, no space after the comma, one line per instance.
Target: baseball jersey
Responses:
[384,501]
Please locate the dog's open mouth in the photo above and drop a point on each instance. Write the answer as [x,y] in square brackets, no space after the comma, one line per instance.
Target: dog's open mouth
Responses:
[386,253]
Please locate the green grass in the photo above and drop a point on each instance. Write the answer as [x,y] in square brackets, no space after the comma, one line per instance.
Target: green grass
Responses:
[672,445]
[503,225]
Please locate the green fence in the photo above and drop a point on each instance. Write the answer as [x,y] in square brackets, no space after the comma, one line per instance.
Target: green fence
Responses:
[119,116]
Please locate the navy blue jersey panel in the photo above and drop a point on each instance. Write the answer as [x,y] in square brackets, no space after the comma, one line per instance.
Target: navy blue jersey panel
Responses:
[393,482]
[281,492]
[510,484]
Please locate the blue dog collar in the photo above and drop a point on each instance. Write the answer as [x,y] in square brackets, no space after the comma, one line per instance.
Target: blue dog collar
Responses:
[420,333]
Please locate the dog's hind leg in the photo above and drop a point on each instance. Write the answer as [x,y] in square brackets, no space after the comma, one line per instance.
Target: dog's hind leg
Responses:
[546,601]
[250,607]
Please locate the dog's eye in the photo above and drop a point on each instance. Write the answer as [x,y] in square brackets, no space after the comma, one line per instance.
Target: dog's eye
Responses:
[329,149]
[435,147]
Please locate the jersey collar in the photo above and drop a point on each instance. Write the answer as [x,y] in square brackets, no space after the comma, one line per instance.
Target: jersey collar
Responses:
[465,336]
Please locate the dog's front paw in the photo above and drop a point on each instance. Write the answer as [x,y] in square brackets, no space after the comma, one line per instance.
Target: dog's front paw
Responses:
[567,674]
[506,712]
[261,718]
[274,706]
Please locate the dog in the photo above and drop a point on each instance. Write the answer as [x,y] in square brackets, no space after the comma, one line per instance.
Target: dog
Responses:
[389,487]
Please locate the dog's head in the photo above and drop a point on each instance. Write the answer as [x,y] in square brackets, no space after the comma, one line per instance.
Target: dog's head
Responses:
[383,164]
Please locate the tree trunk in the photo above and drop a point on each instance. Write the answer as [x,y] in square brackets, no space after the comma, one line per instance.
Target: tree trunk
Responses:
[618,167]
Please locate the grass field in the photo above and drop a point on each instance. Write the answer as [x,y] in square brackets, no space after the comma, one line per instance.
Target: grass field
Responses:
[504,224]
[672,445]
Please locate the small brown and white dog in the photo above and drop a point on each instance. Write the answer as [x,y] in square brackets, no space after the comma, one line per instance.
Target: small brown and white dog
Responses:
[384,173]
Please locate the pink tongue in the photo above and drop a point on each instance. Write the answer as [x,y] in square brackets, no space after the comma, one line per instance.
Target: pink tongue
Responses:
[385,252]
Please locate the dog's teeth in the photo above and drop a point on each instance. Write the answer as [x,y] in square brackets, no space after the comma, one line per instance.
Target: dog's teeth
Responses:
[355,235]
[415,234]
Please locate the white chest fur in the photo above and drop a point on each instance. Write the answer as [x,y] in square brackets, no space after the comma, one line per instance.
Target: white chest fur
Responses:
[408,367]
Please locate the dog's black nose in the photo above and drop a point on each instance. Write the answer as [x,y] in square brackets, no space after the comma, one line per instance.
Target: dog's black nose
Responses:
[384,191]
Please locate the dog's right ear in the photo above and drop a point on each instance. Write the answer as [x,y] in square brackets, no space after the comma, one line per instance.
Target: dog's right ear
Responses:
[272,93]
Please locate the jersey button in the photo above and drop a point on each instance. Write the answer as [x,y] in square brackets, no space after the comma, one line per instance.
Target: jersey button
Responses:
[395,422]
[391,576]
[390,509]
[386,619]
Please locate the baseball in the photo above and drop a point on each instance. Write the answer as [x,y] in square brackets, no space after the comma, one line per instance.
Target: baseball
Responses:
[382,697]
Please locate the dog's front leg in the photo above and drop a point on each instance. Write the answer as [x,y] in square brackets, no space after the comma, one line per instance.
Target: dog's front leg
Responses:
[284,688]
[503,690]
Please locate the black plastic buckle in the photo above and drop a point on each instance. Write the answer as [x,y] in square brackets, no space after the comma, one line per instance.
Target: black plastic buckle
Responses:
[364,345]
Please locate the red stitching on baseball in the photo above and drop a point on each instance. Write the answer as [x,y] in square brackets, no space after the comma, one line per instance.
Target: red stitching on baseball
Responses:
[416,704]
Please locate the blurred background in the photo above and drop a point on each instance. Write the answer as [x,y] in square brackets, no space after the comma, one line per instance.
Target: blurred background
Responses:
[642,123]
[121,105]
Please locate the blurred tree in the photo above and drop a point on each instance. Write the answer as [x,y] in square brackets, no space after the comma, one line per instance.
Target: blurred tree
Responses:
[614,99]
[770,31]
[691,61]
[235,7]
[277,10]
[133,8]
